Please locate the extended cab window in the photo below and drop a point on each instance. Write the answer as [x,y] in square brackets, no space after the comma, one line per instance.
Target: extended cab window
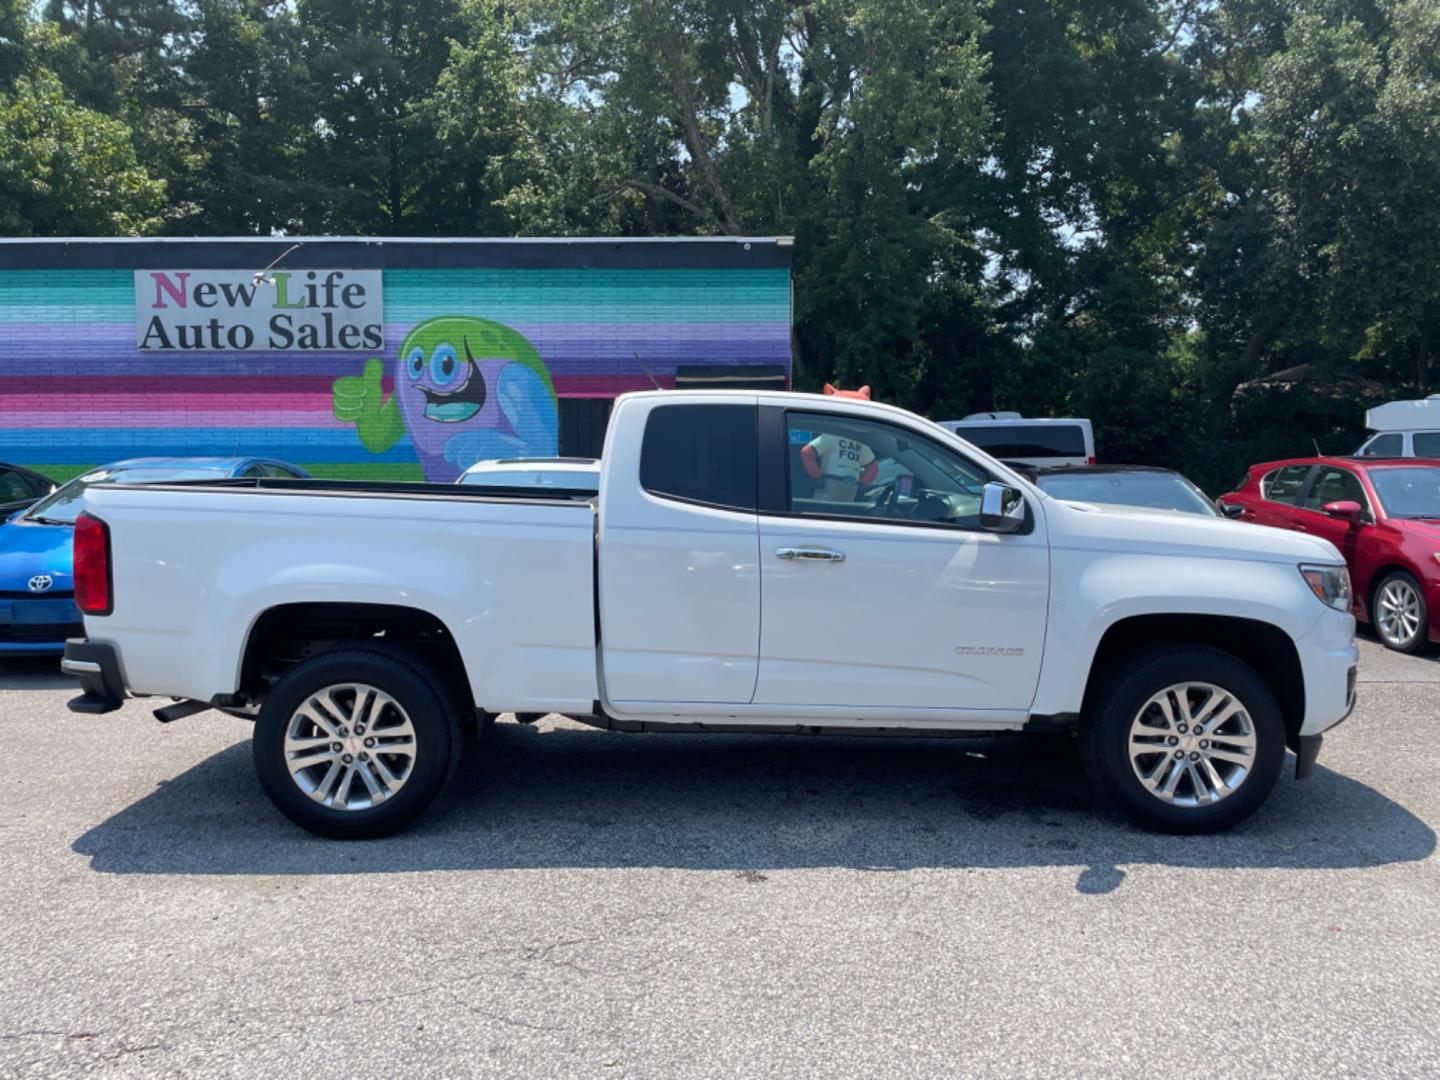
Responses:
[702,453]
[1283,485]
[844,466]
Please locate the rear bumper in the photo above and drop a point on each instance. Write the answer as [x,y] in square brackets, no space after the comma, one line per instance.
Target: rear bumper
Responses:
[97,666]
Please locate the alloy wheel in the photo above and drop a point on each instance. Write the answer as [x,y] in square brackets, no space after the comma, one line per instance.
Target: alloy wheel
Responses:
[1397,610]
[350,746]
[1192,744]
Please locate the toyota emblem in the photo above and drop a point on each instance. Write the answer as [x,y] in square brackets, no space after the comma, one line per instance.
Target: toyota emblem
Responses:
[41,582]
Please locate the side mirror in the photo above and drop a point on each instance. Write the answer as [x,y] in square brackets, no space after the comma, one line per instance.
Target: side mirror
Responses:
[1231,510]
[1348,509]
[1002,508]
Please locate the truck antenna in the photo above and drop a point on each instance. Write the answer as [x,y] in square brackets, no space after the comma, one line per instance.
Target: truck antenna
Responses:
[1316,443]
[646,370]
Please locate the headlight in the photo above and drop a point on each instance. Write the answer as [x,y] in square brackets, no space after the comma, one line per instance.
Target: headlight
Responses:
[1330,583]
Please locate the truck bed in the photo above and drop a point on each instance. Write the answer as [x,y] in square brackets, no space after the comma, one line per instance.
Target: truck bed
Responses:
[508,573]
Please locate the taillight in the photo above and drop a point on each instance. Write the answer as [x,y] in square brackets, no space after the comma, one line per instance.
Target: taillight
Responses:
[1091,459]
[92,566]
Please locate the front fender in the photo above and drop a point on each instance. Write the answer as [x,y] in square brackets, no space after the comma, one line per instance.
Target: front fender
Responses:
[1094,591]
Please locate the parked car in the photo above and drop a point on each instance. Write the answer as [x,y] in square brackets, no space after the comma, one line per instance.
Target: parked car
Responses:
[1403,429]
[572,473]
[37,609]
[1145,486]
[20,487]
[1027,441]
[739,572]
[1384,517]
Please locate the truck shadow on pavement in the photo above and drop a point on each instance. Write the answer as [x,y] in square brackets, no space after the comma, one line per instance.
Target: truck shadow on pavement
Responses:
[577,798]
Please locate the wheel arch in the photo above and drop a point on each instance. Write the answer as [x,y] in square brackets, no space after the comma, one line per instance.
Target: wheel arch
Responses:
[283,635]
[1264,646]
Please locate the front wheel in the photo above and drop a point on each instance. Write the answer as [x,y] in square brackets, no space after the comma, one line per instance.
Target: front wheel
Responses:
[1185,739]
[357,742]
[1400,614]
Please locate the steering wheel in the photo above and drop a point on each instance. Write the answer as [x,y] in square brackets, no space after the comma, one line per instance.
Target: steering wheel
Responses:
[888,498]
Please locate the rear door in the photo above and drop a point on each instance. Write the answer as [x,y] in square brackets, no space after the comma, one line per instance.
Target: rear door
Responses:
[679,580]
[1279,490]
[881,593]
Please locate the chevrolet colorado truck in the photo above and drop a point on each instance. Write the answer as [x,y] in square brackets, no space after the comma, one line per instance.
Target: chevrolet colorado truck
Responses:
[753,562]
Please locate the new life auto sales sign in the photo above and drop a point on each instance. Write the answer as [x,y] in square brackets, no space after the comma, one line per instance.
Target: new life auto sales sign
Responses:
[238,310]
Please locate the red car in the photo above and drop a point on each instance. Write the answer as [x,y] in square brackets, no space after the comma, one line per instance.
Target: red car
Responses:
[1384,516]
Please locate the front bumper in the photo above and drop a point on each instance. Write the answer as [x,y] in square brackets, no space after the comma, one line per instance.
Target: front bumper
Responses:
[36,625]
[97,666]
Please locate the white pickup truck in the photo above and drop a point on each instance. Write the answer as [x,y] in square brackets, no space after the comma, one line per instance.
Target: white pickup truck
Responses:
[745,567]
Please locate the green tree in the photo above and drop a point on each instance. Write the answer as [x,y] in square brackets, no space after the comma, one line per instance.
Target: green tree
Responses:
[68,170]
[370,64]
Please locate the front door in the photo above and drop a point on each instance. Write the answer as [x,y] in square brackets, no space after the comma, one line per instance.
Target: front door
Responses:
[1335,484]
[879,589]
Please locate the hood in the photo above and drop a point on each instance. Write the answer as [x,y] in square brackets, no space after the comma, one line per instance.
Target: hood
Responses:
[1166,532]
[27,549]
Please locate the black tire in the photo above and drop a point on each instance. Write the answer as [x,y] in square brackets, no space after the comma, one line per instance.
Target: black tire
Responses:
[414,686]
[1420,638]
[1105,737]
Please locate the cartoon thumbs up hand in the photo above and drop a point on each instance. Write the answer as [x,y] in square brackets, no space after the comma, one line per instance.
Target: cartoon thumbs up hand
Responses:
[361,400]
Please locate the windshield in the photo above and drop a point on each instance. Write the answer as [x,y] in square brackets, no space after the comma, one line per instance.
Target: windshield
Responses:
[1155,490]
[1408,492]
[62,507]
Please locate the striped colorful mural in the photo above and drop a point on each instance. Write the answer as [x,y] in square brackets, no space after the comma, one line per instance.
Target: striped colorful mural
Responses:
[76,392]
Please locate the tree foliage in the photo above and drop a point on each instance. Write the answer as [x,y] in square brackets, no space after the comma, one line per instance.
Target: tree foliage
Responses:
[1119,208]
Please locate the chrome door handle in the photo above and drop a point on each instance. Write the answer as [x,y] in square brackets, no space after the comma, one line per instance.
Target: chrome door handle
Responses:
[817,554]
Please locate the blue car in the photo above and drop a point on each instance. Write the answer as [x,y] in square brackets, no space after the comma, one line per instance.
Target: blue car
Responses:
[37,606]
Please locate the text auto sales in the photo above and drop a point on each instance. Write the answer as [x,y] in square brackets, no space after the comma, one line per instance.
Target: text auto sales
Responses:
[305,310]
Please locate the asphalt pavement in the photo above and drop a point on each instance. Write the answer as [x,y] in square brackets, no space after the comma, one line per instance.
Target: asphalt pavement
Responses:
[590,904]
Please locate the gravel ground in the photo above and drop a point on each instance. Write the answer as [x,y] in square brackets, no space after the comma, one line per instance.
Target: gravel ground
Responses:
[589,904]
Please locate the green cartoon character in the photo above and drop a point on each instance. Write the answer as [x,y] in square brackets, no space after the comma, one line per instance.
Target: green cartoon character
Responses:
[468,390]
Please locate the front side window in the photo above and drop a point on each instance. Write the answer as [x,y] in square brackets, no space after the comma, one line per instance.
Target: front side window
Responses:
[1335,485]
[702,453]
[1391,445]
[844,466]
[1283,485]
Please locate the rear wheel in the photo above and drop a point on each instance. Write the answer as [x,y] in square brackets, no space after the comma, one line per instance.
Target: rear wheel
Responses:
[356,743]
[1185,739]
[1400,614]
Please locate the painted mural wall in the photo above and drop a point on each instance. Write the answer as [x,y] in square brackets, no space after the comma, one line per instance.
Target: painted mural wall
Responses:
[473,365]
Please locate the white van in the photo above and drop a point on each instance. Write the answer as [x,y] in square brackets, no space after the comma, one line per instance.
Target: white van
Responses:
[1403,429]
[1011,437]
